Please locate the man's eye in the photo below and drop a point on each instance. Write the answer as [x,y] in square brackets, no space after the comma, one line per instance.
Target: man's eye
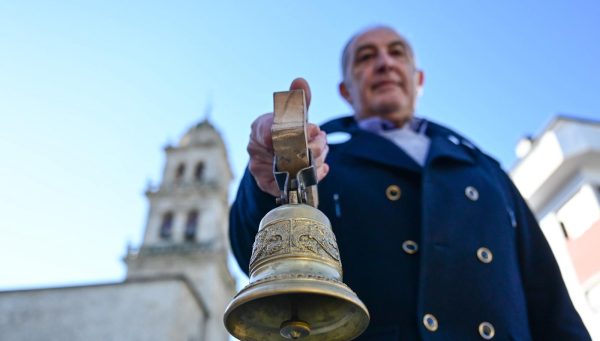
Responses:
[398,52]
[364,57]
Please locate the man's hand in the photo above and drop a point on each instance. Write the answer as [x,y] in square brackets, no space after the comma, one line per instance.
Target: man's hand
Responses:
[260,146]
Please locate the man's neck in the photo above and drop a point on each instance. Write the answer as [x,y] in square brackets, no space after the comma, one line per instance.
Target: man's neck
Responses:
[397,120]
[378,124]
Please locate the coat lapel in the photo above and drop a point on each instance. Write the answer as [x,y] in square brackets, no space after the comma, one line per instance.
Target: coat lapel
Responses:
[442,147]
[446,145]
[374,148]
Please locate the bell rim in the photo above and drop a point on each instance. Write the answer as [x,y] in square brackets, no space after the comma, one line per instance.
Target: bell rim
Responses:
[298,286]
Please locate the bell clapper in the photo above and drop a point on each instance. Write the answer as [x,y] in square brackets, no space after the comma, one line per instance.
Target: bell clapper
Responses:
[294,328]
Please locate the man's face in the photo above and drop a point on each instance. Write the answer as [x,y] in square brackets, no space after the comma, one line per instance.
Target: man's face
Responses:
[381,78]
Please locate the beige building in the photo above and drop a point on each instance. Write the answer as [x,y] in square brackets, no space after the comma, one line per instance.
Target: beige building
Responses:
[177,283]
[559,174]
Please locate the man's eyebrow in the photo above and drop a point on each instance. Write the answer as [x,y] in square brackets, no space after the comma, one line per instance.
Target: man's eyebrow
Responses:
[394,43]
[364,47]
[399,42]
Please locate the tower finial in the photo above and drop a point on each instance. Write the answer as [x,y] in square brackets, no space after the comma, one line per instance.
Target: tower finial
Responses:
[208,107]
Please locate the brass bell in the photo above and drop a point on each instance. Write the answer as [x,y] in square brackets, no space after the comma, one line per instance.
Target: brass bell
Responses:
[296,289]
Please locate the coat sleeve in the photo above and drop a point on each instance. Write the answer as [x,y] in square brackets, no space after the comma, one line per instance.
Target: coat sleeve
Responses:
[550,310]
[250,206]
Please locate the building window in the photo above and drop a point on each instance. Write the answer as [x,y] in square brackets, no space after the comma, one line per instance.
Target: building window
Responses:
[199,171]
[166,227]
[179,173]
[580,212]
[191,226]
[564,230]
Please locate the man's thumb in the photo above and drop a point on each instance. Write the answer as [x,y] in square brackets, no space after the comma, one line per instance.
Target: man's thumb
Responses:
[301,83]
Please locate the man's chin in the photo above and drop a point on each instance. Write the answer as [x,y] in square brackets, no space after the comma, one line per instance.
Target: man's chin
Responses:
[390,100]
[393,112]
[384,108]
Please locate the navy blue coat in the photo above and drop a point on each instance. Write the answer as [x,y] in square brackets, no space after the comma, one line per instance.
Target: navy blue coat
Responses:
[482,265]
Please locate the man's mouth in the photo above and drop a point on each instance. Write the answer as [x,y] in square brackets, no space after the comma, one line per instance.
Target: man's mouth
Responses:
[386,84]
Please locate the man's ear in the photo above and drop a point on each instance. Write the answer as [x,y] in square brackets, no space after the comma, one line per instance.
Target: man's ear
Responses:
[420,81]
[420,78]
[344,92]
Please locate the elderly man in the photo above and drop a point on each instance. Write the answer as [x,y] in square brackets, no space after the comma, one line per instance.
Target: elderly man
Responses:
[434,237]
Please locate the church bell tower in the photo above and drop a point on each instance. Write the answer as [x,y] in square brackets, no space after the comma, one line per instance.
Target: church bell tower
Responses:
[186,228]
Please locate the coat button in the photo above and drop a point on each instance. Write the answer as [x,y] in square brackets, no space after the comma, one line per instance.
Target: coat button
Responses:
[485,255]
[472,193]
[410,247]
[430,322]
[486,330]
[393,192]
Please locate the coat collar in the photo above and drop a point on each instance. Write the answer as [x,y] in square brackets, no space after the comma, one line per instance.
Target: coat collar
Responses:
[445,145]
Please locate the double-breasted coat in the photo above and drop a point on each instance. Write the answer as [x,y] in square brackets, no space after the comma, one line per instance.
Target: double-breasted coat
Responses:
[444,251]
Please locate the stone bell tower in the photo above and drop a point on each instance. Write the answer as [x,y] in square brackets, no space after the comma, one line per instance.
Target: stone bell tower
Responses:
[186,229]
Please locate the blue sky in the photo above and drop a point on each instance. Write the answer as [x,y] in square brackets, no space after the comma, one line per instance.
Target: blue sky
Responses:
[91,91]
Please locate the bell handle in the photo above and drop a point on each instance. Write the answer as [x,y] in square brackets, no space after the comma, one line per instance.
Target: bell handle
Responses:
[292,165]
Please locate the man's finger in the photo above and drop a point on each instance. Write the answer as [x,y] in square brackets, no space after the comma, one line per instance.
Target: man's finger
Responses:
[322,171]
[313,130]
[318,146]
[261,131]
[301,83]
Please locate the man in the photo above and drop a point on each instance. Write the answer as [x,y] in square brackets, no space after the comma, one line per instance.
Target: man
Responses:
[433,236]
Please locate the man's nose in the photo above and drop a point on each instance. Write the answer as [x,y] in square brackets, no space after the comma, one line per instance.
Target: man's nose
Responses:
[384,61]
